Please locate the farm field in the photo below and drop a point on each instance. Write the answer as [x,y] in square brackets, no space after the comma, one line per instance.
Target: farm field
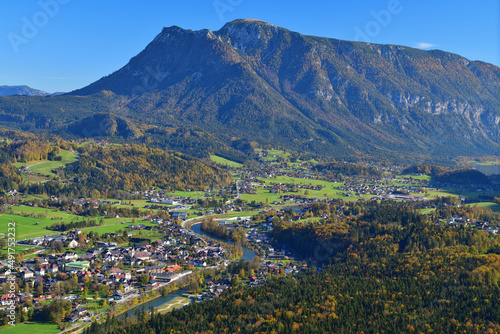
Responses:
[485,163]
[262,195]
[327,188]
[434,193]
[275,154]
[20,248]
[296,180]
[192,194]
[45,167]
[493,206]
[31,328]
[27,227]
[137,203]
[113,228]
[237,214]
[416,177]
[225,162]
[472,195]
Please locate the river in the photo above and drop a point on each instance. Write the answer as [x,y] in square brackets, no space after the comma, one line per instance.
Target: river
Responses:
[157,302]
[248,254]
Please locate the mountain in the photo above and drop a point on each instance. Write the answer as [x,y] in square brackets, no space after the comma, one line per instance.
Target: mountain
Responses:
[252,81]
[255,80]
[21,90]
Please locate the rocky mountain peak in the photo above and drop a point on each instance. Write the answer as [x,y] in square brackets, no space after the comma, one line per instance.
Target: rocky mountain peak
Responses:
[176,32]
[246,34]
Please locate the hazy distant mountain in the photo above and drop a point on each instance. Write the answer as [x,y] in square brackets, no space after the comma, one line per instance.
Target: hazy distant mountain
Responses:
[255,81]
[21,90]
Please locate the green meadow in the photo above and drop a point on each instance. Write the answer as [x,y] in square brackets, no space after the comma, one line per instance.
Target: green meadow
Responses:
[493,206]
[27,227]
[262,195]
[225,162]
[275,154]
[427,211]
[113,228]
[45,167]
[42,170]
[416,177]
[129,203]
[31,328]
[485,163]
[328,188]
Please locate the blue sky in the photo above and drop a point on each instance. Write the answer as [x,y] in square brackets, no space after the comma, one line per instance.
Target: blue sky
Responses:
[62,45]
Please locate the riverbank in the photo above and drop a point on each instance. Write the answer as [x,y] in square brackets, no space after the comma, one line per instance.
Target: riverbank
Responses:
[233,252]
[222,233]
[246,253]
[178,302]
[159,300]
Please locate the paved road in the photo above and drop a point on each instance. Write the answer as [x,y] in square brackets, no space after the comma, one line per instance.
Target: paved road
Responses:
[237,193]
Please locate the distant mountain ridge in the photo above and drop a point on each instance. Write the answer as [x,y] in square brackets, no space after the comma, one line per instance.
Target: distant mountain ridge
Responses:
[21,90]
[25,91]
[257,82]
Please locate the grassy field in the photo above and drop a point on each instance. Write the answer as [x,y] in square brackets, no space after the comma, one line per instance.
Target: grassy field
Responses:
[275,154]
[45,167]
[416,177]
[493,206]
[261,196]
[139,203]
[192,194]
[327,188]
[434,193]
[106,228]
[27,227]
[485,163]
[296,180]
[20,248]
[470,194]
[237,214]
[225,162]
[308,220]
[31,328]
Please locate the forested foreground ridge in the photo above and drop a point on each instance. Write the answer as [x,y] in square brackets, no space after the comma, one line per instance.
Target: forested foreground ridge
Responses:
[135,167]
[106,169]
[392,270]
